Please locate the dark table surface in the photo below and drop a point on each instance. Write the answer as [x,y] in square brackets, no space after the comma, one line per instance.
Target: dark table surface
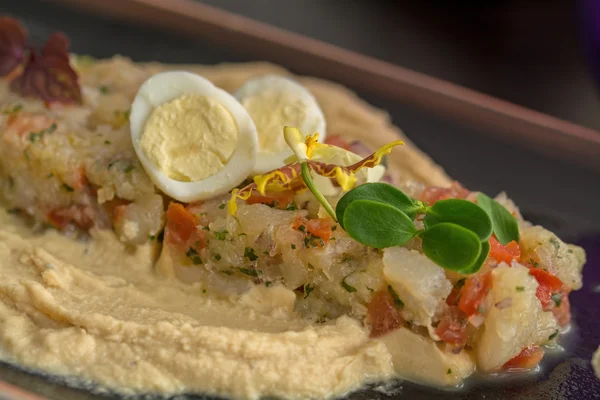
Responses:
[526,54]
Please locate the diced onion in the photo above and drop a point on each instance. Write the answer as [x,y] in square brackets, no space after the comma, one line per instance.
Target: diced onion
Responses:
[504,303]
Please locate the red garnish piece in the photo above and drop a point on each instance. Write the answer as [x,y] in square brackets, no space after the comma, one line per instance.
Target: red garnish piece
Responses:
[318,227]
[82,216]
[382,314]
[452,328]
[12,45]
[180,225]
[49,75]
[562,313]
[529,358]
[474,292]
[506,253]
[548,285]
[434,193]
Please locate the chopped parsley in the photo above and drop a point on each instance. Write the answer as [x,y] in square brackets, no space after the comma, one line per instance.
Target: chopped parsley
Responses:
[68,188]
[13,110]
[554,241]
[35,136]
[333,228]
[249,272]
[397,301]
[217,257]
[534,263]
[308,290]
[222,206]
[557,299]
[268,283]
[449,371]
[122,114]
[250,254]
[107,142]
[128,169]
[151,237]
[460,283]
[293,246]
[554,335]
[104,89]
[302,228]
[520,288]
[203,290]
[193,255]
[221,235]
[313,241]
[347,287]
[292,206]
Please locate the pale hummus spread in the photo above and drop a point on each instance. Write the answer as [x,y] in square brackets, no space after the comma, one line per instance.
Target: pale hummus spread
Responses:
[190,138]
[96,309]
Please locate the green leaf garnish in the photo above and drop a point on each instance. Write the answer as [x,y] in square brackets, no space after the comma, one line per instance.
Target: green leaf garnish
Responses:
[380,193]
[451,246]
[504,223]
[250,254]
[397,302]
[221,235]
[378,225]
[460,212]
[193,255]
[347,287]
[249,272]
[485,252]
[557,299]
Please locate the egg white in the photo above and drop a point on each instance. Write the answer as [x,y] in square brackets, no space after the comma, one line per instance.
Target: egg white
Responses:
[167,86]
[314,121]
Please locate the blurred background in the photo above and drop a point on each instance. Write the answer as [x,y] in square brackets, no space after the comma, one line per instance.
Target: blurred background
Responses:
[532,53]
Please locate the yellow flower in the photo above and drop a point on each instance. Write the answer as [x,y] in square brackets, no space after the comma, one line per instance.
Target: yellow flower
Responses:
[289,177]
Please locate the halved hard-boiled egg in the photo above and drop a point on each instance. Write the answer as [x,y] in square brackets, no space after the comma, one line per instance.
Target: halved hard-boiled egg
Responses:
[273,102]
[194,140]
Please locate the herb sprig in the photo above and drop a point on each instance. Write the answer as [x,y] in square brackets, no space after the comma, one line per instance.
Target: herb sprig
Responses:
[455,234]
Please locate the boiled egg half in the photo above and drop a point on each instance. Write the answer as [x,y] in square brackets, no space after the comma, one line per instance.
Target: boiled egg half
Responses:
[273,102]
[194,140]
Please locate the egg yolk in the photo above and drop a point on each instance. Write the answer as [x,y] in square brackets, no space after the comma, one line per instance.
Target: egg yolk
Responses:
[271,110]
[190,138]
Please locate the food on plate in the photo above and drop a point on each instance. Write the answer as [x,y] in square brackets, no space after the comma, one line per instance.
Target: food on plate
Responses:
[157,234]
[194,140]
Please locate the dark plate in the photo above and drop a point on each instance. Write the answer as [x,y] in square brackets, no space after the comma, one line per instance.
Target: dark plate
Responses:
[560,196]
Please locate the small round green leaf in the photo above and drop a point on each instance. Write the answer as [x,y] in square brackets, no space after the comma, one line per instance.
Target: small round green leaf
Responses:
[378,192]
[461,212]
[485,252]
[503,222]
[451,246]
[378,225]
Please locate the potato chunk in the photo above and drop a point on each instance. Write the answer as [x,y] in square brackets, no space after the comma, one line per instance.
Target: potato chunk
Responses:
[419,359]
[539,245]
[419,282]
[507,331]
